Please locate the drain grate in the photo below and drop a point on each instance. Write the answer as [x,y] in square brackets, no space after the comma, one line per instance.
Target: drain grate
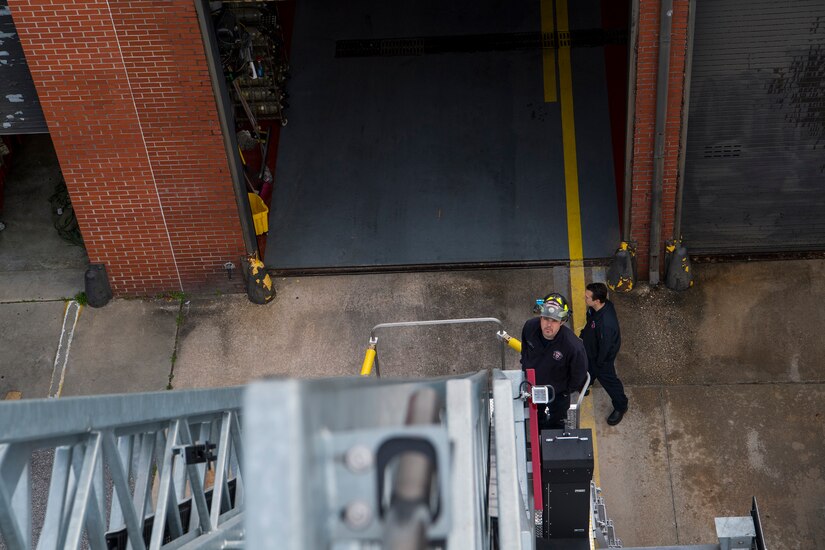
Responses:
[430,45]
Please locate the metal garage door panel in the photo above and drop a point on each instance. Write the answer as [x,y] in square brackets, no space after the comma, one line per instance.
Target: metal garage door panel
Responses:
[20,111]
[755,170]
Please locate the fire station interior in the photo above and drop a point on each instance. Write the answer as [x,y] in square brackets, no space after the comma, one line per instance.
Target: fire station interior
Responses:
[41,247]
[422,133]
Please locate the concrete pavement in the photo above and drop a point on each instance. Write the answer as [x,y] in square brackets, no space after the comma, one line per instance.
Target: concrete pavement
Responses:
[124,348]
[320,326]
[726,386]
[727,392]
[742,323]
[29,334]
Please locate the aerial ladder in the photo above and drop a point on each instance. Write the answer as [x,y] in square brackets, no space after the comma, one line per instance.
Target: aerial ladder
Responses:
[345,464]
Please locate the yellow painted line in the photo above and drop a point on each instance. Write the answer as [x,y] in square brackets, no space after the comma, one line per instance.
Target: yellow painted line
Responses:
[574,224]
[548,55]
[13,396]
[577,287]
[587,420]
[571,173]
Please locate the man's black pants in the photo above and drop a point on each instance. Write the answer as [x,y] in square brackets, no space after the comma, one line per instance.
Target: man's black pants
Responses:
[612,385]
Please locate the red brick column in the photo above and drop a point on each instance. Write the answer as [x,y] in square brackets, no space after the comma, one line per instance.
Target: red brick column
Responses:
[126,93]
[645,122]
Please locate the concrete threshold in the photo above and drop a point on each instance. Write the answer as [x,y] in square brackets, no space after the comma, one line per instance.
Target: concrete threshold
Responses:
[40,285]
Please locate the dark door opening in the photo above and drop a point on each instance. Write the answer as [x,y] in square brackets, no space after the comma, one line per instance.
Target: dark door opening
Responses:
[41,247]
[419,136]
[250,45]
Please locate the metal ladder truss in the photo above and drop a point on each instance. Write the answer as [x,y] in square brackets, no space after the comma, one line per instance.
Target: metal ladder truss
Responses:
[603,530]
[152,470]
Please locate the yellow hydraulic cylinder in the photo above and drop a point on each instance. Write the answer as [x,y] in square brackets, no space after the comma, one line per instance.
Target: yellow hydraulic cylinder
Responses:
[514,343]
[369,361]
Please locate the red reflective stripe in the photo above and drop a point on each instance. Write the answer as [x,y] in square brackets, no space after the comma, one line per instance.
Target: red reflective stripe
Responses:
[535,447]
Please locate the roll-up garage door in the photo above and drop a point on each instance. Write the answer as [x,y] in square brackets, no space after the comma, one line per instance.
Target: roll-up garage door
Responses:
[20,111]
[755,164]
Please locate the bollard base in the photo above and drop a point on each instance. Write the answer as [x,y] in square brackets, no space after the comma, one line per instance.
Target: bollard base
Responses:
[679,272]
[259,287]
[97,288]
[621,275]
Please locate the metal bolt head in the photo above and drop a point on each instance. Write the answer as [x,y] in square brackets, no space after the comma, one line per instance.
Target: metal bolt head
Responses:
[358,459]
[357,514]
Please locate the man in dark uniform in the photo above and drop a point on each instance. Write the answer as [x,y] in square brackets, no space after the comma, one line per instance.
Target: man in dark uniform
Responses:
[557,356]
[602,340]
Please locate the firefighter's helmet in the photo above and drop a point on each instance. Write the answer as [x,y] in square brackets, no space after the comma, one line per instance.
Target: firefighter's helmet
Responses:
[553,306]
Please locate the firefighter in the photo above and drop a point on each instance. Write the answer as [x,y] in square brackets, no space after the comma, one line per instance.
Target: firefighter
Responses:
[602,340]
[557,356]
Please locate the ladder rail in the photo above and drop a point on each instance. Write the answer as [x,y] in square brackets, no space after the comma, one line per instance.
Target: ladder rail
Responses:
[40,419]
[121,463]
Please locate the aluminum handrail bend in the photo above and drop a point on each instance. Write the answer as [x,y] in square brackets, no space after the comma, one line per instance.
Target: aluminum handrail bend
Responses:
[473,320]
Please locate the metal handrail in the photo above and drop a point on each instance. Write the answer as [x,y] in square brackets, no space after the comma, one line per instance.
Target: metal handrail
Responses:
[576,422]
[583,390]
[372,357]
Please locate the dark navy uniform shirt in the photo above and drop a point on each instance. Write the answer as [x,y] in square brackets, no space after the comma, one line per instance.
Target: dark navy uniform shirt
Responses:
[560,362]
[601,336]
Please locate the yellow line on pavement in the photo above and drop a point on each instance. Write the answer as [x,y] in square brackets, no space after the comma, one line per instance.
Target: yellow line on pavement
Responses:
[574,224]
[548,55]
[577,293]
[571,173]
[587,420]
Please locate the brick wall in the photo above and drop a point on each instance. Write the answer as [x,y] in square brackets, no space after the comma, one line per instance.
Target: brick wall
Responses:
[644,133]
[126,92]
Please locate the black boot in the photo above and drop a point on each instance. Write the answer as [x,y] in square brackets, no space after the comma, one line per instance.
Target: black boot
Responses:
[615,417]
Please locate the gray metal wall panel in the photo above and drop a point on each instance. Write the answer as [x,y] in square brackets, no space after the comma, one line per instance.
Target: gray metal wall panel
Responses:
[755,165]
[20,111]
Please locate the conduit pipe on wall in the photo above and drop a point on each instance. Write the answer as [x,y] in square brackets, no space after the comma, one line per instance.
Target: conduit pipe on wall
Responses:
[632,55]
[680,182]
[663,70]
[678,271]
